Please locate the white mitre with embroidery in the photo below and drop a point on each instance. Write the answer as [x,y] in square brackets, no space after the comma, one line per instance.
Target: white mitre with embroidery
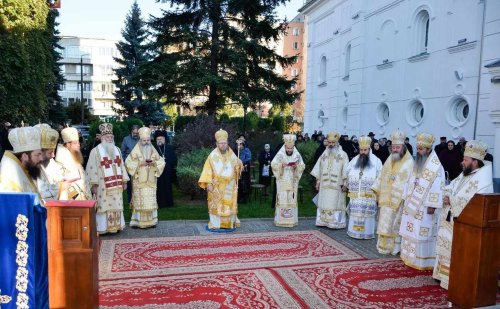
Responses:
[25,139]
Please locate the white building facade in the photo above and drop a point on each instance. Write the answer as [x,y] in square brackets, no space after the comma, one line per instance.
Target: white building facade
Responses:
[95,57]
[414,65]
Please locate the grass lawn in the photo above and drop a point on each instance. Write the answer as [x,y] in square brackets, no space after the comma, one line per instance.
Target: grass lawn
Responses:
[187,209]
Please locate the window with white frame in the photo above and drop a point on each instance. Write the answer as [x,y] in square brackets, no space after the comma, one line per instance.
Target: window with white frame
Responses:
[322,70]
[421,32]
[347,60]
[86,86]
[294,72]
[295,45]
[295,31]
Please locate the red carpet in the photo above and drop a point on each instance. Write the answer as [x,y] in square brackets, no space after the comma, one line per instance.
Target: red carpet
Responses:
[272,270]
[131,258]
[240,289]
[383,283]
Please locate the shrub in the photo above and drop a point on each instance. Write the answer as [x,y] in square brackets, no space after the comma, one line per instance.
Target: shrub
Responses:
[201,134]
[279,124]
[265,123]
[252,121]
[189,169]
[182,121]
[307,150]
[224,118]
[256,139]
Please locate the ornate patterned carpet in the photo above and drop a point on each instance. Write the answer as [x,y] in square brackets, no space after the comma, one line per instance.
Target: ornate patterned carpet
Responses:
[186,255]
[272,270]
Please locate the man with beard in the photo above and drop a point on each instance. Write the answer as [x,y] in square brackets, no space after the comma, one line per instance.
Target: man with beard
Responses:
[144,165]
[477,177]
[362,172]
[330,172]
[20,167]
[164,195]
[51,176]
[219,177]
[421,209]
[108,178]
[391,188]
[70,157]
[288,167]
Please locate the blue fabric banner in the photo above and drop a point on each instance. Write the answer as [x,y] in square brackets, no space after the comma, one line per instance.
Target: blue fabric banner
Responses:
[23,252]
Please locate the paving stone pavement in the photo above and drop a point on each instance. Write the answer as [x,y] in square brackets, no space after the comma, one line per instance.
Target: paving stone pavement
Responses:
[178,228]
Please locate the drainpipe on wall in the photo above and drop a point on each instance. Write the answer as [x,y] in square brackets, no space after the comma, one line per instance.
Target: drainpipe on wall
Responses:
[479,69]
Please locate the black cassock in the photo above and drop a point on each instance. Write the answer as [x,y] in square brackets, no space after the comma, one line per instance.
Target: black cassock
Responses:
[164,185]
[265,158]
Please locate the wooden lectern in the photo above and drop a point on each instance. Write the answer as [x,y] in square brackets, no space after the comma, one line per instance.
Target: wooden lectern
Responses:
[475,257]
[73,254]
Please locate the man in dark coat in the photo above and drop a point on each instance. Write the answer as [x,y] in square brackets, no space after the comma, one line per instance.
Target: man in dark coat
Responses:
[265,171]
[441,146]
[164,195]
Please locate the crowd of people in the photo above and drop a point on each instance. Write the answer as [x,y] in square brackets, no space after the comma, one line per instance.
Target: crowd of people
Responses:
[406,198]
[49,163]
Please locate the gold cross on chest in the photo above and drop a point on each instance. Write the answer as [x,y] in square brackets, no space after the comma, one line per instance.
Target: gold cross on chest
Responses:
[472,187]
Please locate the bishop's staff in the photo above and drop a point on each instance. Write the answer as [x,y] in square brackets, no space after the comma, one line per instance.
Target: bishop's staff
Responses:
[238,143]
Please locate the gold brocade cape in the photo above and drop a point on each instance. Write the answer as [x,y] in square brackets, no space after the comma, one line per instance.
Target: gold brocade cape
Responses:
[331,171]
[145,176]
[79,189]
[14,177]
[221,171]
[391,185]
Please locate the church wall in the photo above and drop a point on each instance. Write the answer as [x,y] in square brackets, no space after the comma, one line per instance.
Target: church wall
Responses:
[386,71]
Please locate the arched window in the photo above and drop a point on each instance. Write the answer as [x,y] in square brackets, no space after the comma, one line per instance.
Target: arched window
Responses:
[322,70]
[347,60]
[421,32]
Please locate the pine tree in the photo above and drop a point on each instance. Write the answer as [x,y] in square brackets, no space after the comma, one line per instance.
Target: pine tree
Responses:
[133,54]
[219,50]
[56,110]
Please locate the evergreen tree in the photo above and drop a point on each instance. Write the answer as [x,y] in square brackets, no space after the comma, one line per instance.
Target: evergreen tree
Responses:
[133,54]
[56,110]
[220,50]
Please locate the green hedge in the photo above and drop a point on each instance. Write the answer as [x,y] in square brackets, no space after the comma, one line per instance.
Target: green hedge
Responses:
[189,169]
[307,151]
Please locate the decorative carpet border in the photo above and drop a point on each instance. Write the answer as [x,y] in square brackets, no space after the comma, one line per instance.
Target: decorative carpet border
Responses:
[106,255]
[339,293]
[236,289]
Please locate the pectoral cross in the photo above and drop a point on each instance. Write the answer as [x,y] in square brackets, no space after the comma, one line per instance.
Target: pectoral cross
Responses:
[4,299]
[106,162]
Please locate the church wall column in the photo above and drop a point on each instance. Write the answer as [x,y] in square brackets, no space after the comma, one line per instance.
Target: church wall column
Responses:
[495,117]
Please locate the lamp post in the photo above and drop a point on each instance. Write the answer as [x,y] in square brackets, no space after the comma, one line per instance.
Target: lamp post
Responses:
[81,85]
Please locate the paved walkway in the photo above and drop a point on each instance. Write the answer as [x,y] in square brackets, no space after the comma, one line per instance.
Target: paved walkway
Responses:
[366,248]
